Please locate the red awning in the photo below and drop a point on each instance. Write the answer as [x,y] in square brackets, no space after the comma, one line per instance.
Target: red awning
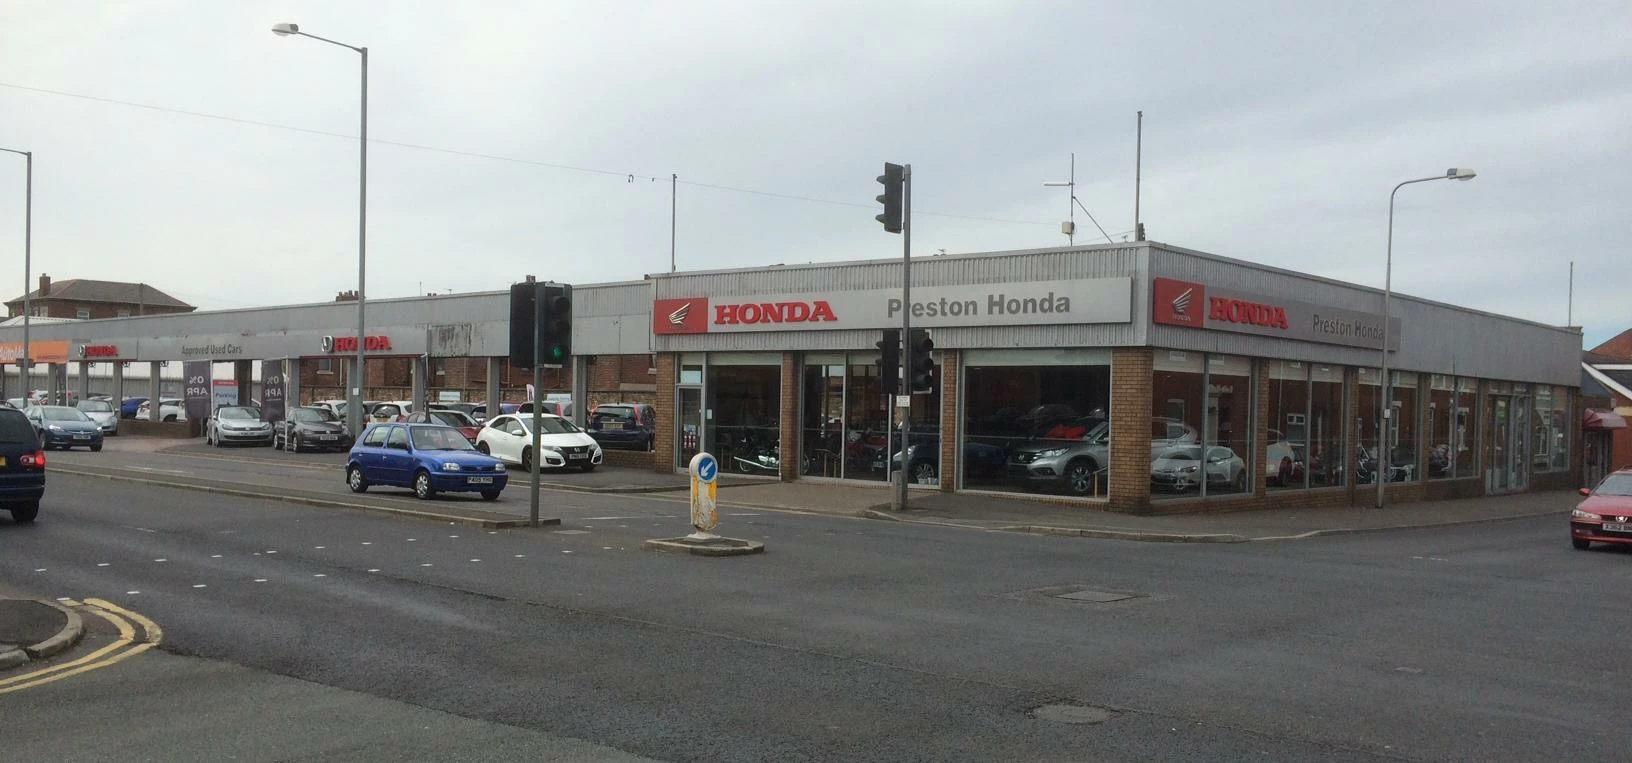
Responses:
[1594,418]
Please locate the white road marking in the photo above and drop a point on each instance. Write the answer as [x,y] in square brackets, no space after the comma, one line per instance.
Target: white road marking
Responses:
[271,552]
[521,556]
[260,580]
[144,529]
[571,532]
[215,556]
[606,548]
[427,564]
[374,570]
[743,514]
[475,560]
[319,575]
[368,543]
[42,569]
[609,518]
[101,564]
[564,551]
[132,593]
[453,536]
[199,585]
[411,540]
[161,560]
[319,547]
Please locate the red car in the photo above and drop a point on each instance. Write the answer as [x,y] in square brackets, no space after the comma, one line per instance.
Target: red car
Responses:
[459,420]
[1606,515]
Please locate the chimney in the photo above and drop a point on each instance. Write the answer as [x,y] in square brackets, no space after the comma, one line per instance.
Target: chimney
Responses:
[346,296]
[45,285]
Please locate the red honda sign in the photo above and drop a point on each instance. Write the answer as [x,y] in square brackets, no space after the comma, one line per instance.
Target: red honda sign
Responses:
[695,315]
[378,343]
[680,316]
[1179,303]
[99,350]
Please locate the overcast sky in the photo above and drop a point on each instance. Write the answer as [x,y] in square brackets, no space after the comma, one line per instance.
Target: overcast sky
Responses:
[1273,133]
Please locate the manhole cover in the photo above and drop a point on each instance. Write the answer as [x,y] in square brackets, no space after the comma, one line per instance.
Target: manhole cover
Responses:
[1100,597]
[1079,714]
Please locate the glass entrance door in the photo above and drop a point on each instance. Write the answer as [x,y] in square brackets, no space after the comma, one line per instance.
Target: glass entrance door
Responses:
[1497,451]
[690,426]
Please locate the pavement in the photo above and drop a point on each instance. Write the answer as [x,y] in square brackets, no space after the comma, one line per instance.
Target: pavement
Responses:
[299,632]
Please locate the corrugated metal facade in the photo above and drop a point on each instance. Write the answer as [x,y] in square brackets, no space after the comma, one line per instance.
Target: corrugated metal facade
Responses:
[993,268]
[1434,337]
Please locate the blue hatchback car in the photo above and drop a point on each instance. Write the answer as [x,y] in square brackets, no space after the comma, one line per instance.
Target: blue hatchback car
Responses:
[429,458]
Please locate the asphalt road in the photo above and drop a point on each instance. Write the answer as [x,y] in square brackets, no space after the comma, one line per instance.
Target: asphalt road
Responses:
[847,639]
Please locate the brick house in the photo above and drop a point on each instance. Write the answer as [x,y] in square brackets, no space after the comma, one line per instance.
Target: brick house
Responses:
[1606,390]
[85,299]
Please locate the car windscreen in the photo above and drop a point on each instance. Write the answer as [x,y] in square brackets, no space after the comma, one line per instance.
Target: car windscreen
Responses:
[1615,484]
[238,413]
[95,406]
[554,425]
[453,418]
[613,414]
[311,415]
[58,413]
[438,438]
[15,429]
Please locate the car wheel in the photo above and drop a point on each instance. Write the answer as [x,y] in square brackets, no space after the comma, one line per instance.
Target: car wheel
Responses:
[1241,481]
[96,448]
[586,467]
[294,443]
[1580,545]
[423,490]
[355,480]
[1081,477]
[24,513]
[527,459]
[486,451]
[924,473]
[490,495]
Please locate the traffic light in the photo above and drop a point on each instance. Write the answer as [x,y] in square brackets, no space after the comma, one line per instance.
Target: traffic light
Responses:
[889,364]
[923,365]
[891,197]
[555,325]
[523,323]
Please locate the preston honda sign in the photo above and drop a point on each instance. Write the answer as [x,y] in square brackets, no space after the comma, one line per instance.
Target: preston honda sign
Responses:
[1198,306]
[1089,300]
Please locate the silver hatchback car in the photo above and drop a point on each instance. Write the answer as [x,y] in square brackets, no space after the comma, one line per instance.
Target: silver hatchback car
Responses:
[1079,466]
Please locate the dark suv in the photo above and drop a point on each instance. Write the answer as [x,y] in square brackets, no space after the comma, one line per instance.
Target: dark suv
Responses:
[22,466]
[630,426]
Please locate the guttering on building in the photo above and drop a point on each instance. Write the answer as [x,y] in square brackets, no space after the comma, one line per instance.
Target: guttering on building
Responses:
[1140,377]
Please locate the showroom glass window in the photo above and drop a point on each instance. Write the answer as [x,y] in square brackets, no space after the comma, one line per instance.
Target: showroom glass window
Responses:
[1551,444]
[742,417]
[1037,420]
[1440,426]
[1467,428]
[1177,396]
[1287,452]
[822,415]
[1368,395]
[1229,458]
[1327,421]
[689,409]
[846,423]
[1403,427]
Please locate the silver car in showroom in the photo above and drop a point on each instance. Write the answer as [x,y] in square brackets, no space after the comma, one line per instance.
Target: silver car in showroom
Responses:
[1079,466]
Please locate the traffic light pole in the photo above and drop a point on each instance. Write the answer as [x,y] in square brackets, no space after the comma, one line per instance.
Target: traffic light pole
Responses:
[905,383]
[537,398]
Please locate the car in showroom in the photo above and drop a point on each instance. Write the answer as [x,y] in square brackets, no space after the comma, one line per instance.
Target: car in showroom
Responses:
[562,442]
[632,426]
[169,410]
[1606,514]
[238,424]
[427,458]
[63,426]
[310,427]
[1079,464]
[447,417]
[22,466]
[103,413]
[129,406]
[1183,467]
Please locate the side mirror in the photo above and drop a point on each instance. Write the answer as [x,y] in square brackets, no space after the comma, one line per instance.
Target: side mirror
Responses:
[1585,491]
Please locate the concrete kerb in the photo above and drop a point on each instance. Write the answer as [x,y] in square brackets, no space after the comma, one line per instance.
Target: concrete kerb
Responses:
[482,522]
[73,628]
[1430,526]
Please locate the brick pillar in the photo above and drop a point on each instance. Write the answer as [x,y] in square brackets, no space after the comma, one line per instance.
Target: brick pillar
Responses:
[1260,428]
[663,449]
[789,448]
[951,421]
[1130,429]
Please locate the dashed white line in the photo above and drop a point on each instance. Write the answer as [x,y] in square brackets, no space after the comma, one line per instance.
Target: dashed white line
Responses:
[42,569]
[260,580]
[521,556]
[271,552]
[564,551]
[374,570]
[319,575]
[132,593]
[475,560]
[411,540]
[319,547]
[161,560]
[368,543]
[427,564]
[453,536]
[200,585]
[101,564]
[215,556]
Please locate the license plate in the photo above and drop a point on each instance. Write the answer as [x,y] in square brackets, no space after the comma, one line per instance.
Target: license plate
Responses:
[328,437]
[1616,527]
[577,456]
[481,480]
[82,437]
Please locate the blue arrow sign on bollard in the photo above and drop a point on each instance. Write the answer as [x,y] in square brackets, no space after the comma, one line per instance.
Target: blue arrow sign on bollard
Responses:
[704,516]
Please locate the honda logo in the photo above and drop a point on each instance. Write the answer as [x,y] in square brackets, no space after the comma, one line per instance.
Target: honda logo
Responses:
[328,344]
[1181,303]
[678,317]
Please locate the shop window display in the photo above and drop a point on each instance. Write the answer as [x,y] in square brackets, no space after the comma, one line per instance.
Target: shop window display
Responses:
[1368,394]
[1036,427]
[1327,419]
[1177,399]
[1229,427]
[1467,428]
[1550,444]
[846,422]
[1440,420]
[742,420]
[1402,428]
[1287,452]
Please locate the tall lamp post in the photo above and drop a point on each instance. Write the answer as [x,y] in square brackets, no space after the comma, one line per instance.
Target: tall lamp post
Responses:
[354,396]
[23,367]
[1383,458]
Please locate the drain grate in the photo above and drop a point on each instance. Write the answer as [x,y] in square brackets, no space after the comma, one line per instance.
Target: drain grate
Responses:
[1098,597]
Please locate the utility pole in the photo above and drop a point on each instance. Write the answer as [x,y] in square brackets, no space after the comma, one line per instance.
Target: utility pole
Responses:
[1138,161]
[906,330]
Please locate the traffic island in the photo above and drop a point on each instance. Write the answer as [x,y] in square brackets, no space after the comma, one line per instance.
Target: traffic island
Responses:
[712,545]
[35,629]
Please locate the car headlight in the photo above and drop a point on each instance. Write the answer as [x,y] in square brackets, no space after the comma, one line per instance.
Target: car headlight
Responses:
[498,467]
[53,427]
[450,467]
[1051,453]
[556,449]
[1579,514]
[1188,469]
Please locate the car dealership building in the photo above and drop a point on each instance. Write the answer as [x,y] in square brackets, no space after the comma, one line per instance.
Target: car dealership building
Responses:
[1137,377]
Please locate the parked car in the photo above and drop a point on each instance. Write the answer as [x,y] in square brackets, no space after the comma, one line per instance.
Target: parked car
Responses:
[562,408]
[1182,468]
[238,424]
[310,428]
[129,406]
[466,425]
[1285,461]
[428,458]
[65,427]
[924,458]
[1078,465]
[22,466]
[469,409]
[623,425]
[103,413]
[169,410]
[397,410]
[18,402]
[1606,514]
[562,442]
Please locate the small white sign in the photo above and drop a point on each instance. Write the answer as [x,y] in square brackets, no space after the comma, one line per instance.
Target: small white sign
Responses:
[447,396]
[903,401]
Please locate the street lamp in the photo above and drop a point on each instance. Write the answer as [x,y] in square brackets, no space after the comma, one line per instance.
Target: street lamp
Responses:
[1384,460]
[354,408]
[1070,226]
[23,367]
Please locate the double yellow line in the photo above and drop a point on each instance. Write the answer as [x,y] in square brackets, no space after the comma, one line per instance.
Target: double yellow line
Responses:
[127,645]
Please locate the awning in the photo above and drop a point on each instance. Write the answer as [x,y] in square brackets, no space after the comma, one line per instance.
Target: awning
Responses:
[1594,418]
